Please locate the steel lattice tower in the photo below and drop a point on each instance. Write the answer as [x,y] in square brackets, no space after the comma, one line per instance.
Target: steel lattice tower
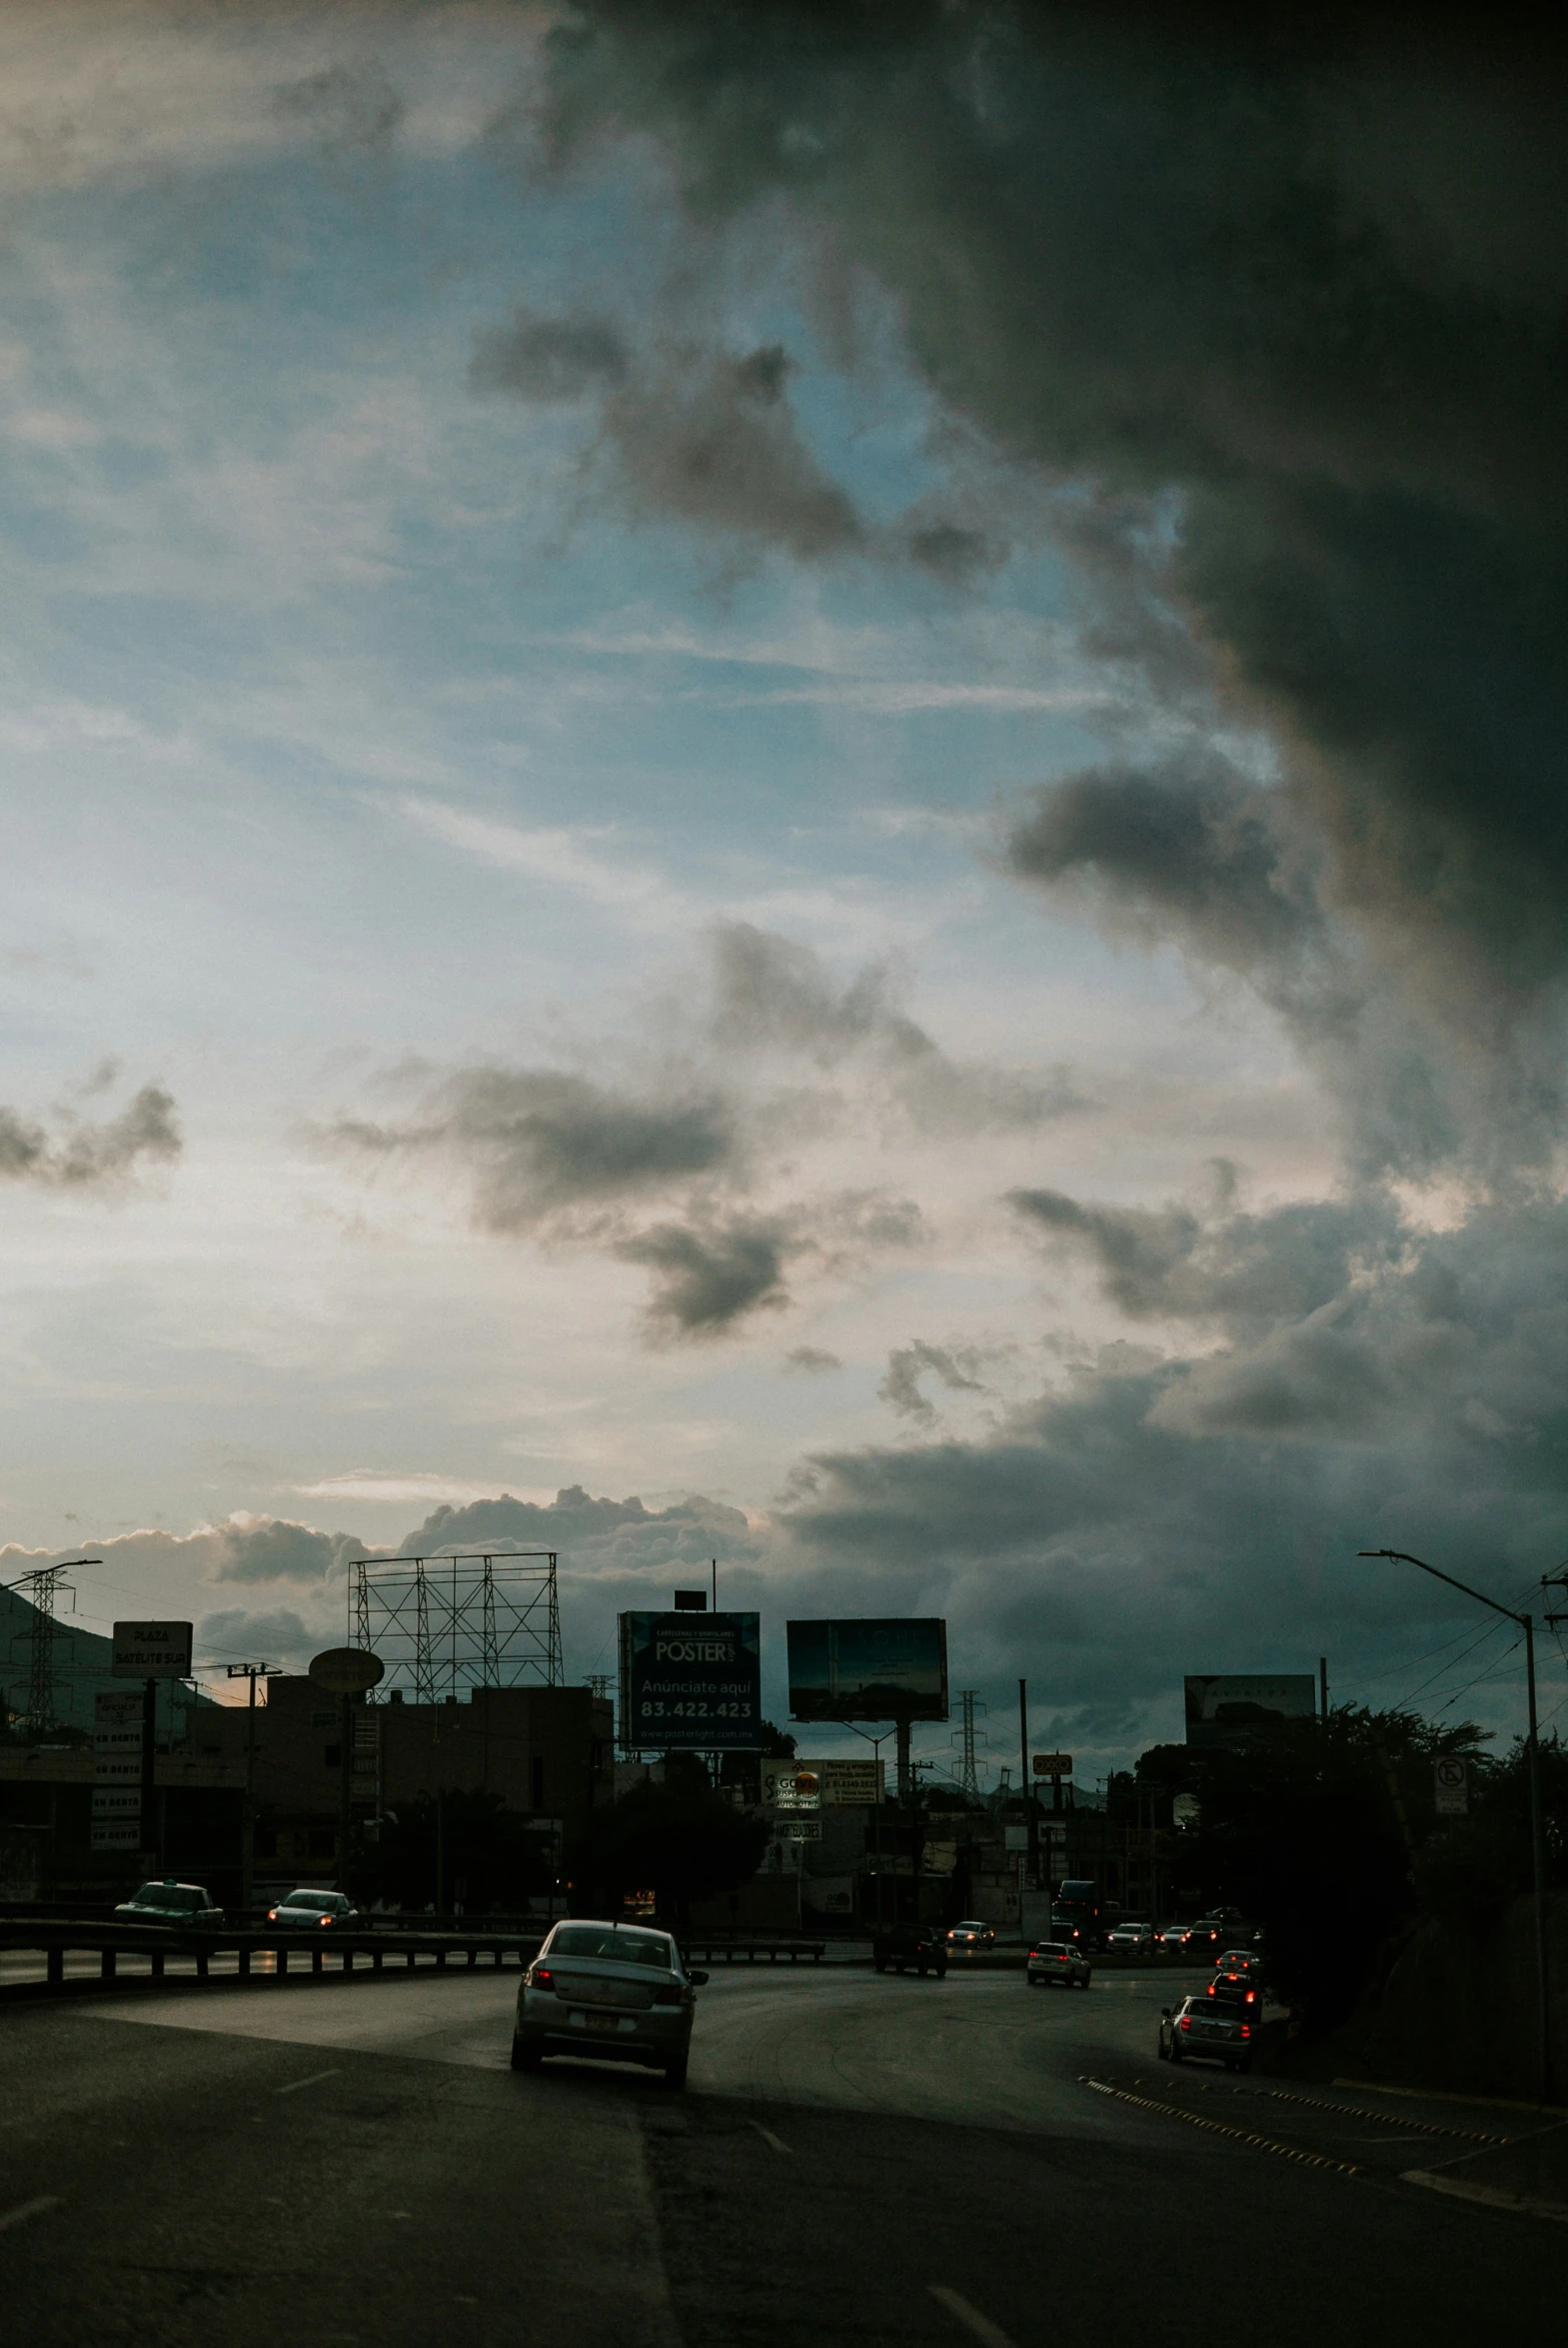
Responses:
[443,1624]
[968,1780]
[40,1588]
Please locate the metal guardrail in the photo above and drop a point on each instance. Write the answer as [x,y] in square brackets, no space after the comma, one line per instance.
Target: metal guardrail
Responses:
[786,1946]
[295,1954]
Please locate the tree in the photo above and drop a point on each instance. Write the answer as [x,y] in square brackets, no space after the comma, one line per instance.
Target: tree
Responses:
[1316,1832]
[679,1841]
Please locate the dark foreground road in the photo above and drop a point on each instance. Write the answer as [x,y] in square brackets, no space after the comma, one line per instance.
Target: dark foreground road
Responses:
[859,2161]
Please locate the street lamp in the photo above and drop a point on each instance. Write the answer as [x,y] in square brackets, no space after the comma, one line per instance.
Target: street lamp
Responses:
[1537,1834]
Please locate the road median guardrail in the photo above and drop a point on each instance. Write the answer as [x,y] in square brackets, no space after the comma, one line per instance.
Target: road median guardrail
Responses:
[296,1955]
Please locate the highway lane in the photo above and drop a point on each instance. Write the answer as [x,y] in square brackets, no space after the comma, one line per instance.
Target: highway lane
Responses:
[859,2161]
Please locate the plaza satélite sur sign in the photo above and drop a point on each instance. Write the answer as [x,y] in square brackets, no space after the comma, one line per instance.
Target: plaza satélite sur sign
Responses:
[691,1683]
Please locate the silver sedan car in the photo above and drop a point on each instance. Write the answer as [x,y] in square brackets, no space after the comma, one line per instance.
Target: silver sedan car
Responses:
[619,1992]
[1208,2029]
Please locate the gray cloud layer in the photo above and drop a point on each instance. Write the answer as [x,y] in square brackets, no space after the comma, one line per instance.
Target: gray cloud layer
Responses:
[1285,317]
[694,434]
[85,1155]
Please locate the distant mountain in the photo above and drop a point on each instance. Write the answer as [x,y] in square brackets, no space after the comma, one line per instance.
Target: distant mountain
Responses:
[81,1669]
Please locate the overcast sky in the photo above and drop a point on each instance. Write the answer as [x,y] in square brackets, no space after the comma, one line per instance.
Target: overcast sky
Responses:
[799,773]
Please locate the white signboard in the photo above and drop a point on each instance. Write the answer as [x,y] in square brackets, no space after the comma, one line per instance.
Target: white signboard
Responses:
[1451,1786]
[152,1650]
[117,1801]
[117,1833]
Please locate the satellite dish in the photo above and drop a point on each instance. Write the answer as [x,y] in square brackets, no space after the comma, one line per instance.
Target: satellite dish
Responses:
[346,1670]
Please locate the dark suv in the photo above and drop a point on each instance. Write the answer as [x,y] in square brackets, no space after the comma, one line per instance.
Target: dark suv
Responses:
[900,1945]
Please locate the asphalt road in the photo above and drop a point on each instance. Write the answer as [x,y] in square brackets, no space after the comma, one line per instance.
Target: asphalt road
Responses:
[859,2161]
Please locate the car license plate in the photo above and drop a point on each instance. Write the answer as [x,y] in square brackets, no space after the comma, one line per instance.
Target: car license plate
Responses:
[609,2022]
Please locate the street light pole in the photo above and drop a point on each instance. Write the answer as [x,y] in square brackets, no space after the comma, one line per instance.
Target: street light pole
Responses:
[1526,1623]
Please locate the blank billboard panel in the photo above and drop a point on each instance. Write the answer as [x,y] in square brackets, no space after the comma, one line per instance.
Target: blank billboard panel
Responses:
[889,1668]
[1228,1712]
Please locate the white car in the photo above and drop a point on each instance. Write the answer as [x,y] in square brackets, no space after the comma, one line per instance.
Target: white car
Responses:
[1174,1939]
[1132,1935]
[621,1992]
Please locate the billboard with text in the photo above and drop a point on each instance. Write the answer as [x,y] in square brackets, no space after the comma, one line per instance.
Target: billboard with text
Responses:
[1226,1712]
[691,1683]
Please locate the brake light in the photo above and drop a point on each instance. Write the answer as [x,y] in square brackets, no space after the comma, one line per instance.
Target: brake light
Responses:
[541,1978]
[670,1996]
[1185,2023]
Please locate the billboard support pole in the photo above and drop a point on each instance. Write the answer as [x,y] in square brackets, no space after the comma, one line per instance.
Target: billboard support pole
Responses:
[151,1839]
[1031,1810]
[901,1748]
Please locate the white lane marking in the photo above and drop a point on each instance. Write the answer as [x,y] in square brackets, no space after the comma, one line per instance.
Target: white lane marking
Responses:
[314,2080]
[971,2319]
[776,2142]
[27,2209]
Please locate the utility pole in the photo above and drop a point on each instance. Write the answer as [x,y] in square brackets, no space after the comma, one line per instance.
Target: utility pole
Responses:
[252,1672]
[1526,1623]
[1323,1689]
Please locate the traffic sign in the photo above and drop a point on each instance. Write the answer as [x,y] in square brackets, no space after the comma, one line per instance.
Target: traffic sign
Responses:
[1451,1786]
[1053,1764]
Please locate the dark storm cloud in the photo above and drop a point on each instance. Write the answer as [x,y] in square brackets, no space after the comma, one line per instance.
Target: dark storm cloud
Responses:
[714,1270]
[546,359]
[275,1636]
[694,434]
[87,1156]
[1249,1270]
[594,1536]
[541,1142]
[954,1366]
[771,993]
[1147,1512]
[953,553]
[351,108]
[1287,302]
[710,1276]
[276,1550]
[1188,846]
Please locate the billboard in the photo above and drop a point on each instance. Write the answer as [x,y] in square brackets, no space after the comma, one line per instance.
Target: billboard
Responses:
[889,1669]
[691,1683]
[822,1786]
[152,1650]
[1227,1713]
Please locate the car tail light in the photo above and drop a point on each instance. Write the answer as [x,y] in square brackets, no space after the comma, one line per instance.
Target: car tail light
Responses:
[1185,2023]
[542,1978]
[670,1996]
[1246,2030]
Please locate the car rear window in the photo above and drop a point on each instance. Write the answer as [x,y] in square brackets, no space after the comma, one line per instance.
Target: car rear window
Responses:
[623,1949]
